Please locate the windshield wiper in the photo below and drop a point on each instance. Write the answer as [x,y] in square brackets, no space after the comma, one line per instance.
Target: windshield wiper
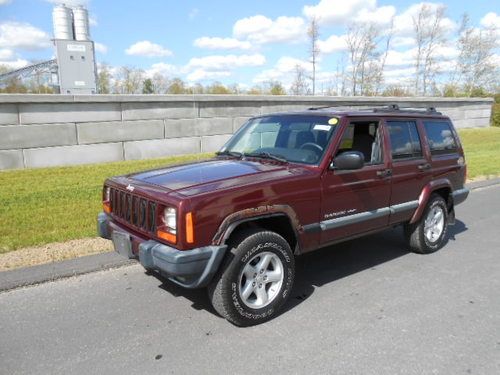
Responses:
[266,155]
[236,154]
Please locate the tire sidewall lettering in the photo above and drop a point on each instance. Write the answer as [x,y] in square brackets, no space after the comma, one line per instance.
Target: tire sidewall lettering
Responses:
[269,310]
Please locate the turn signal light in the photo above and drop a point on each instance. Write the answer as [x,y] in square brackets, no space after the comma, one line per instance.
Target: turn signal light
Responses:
[189,228]
[166,236]
[106,207]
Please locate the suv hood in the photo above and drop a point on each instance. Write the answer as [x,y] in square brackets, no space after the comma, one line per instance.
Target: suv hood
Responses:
[213,174]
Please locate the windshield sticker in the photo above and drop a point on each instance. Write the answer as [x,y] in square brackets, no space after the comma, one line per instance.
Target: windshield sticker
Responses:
[322,127]
[333,121]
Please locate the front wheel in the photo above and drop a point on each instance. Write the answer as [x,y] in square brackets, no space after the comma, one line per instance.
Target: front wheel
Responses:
[429,233]
[256,279]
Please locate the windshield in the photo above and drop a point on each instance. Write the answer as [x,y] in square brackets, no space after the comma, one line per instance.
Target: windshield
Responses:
[294,138]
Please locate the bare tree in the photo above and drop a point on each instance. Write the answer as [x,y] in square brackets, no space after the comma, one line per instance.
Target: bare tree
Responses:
[429,34]
[379,75]
[313,34]
[129,80]
[103,79]
[160,83]
[475,66]
[299,84]
[362,41]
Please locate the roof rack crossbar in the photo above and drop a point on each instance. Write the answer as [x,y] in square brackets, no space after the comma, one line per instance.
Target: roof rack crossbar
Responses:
[320,107]
[397,108]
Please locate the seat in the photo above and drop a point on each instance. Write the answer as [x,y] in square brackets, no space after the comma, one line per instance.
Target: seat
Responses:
[363,142]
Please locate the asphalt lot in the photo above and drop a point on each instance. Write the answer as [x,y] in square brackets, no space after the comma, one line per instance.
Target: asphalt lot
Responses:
[363,307]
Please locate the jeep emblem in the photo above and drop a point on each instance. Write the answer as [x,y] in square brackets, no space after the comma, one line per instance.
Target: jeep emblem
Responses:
[130,188]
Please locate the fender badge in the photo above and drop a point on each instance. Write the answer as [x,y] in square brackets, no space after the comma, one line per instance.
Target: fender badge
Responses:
[130,188]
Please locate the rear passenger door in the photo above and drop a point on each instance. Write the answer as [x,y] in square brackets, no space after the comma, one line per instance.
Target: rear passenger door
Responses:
[411,170]
[445,158]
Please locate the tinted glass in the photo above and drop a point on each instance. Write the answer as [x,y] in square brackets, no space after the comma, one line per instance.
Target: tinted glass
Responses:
[440,137]
[297,138]
[405,141]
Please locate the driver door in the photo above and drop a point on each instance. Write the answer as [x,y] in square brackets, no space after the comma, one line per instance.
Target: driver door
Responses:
[357,201]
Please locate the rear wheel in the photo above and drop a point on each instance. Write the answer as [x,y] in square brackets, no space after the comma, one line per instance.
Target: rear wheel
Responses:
[429,233]
[256,279]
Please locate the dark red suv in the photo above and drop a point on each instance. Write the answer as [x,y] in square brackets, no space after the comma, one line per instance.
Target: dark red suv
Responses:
[283,185]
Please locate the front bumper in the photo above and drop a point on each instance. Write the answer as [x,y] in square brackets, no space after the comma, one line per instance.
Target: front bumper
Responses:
[189,268]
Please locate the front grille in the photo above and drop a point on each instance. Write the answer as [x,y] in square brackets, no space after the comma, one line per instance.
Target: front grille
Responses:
[140,213]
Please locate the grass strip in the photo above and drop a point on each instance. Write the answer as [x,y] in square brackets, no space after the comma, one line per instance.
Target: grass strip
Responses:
[41,206]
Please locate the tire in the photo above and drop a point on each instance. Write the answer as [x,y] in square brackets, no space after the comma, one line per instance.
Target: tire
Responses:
[427,238]
[238,293]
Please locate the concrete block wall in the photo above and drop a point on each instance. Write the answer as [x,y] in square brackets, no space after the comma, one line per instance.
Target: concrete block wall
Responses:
[56,130]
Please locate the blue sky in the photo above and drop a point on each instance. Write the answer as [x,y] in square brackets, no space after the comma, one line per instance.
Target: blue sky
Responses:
[261,39]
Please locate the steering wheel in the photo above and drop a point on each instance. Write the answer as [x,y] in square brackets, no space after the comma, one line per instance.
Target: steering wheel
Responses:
[312,145]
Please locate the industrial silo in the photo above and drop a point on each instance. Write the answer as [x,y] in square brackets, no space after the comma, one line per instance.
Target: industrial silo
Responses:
[62,17]
[81,22]
[75,51]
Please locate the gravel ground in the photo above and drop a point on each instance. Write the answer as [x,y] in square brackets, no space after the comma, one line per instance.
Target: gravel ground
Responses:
[53,252]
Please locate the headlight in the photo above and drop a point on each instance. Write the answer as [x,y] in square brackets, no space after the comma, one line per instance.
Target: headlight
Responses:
[169,218]
[107,194]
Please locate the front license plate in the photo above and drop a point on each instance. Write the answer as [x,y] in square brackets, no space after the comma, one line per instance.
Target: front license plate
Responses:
[122,244]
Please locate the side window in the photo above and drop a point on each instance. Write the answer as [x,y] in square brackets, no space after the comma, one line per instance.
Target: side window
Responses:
[405,141]
[363,136]
[440,136]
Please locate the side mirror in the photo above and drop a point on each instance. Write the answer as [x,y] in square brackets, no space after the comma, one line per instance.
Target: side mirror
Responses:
[348,160]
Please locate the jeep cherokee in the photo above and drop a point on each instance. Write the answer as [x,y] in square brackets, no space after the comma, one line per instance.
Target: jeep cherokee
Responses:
[283,185]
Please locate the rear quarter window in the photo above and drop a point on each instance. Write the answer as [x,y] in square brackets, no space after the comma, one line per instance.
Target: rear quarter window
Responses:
[440,137]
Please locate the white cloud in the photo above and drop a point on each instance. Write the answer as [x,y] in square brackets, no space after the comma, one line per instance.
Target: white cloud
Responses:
[70,3]
[6,54]
[101,48]
[377,16]
[148,49]
[163,69]
[4,2]
[400,58]
[15,64]
[283,70]
[261,30]
[221,43]
[220,66]
[403,23]
[334,11]
[403,41]
[333,44]
[397,59]
[491,20]
[23,36]
[226,62]
[203,75]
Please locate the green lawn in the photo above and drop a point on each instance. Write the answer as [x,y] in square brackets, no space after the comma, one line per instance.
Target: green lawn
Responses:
[40,206]
[482,151]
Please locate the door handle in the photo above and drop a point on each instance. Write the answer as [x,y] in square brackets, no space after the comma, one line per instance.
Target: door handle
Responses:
[424,167]
[384,173]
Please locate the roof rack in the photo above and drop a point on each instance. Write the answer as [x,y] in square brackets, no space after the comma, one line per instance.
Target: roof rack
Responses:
[396,108]
[390,108]
[320,107]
